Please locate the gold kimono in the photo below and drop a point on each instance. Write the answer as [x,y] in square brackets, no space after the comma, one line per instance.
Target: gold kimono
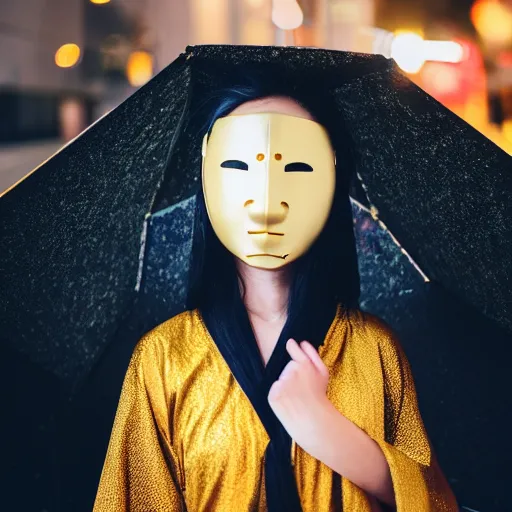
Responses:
[186,437]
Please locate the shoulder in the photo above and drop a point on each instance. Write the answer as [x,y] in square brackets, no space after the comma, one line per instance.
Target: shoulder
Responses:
[166,339]
[393,360]
[371,328]
[376,334]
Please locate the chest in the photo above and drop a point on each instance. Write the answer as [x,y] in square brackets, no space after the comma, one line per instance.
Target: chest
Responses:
[221,442]
[213,419]
[266,334]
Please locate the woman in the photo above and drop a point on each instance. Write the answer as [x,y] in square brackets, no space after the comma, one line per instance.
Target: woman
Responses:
[229,406]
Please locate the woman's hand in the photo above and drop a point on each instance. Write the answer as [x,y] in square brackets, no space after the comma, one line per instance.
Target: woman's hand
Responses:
[298,398]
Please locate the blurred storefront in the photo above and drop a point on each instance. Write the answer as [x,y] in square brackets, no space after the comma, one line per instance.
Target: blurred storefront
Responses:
[460,53]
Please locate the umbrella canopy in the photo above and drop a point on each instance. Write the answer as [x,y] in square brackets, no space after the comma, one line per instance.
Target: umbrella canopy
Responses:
[95,243]
[71,232]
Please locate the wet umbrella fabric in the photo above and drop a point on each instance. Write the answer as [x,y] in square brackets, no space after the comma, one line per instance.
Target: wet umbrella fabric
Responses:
[77,249]
[71,232]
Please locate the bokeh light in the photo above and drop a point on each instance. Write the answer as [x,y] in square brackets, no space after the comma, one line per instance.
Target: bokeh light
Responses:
[507,129]
[67,55]
[493,21]
[287,14]
[139,68]
[408,51]
[99,2]
[443,51]
[411,51]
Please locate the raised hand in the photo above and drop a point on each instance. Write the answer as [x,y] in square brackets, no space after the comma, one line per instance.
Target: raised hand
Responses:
[298,398]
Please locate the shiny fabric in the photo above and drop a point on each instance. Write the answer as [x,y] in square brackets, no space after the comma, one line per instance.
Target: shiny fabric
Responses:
[186,437]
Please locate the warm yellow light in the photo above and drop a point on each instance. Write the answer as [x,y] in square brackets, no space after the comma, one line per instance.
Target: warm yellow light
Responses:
[408,51]
[139,68]
[410,30]
[493,21]
[67,55]
[506,128]
[287,14]
[99,2]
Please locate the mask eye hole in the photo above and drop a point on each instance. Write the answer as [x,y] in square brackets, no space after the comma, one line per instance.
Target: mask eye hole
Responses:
[298,167]
[235,164]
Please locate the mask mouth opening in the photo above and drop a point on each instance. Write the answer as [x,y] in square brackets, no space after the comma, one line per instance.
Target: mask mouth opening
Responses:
[271,255]
[263,232]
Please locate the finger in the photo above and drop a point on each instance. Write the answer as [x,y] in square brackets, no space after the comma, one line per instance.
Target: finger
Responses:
[275,392]
[313,354]
[295,351]
[289,370]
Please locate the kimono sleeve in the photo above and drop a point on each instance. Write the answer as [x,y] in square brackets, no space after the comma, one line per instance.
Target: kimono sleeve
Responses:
[418,481]
[141,471]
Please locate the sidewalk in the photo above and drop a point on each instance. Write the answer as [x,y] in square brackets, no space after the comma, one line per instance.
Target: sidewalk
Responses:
[17,160]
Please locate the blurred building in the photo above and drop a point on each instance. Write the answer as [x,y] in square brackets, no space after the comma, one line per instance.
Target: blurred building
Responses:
[54,71]
[37,98]
[64,63]
[122,43]
[173,24]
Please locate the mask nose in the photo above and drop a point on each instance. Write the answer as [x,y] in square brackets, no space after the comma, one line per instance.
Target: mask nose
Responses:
[266,207]
[267,214]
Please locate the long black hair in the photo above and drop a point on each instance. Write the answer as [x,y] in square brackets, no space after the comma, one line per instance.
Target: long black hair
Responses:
[323,278]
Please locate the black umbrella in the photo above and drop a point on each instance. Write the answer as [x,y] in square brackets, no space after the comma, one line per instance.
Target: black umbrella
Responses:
[87,269]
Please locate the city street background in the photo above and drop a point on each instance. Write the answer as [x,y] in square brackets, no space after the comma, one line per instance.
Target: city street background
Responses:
[65,63]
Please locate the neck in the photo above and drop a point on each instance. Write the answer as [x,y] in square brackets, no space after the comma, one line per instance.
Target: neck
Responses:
[265,291]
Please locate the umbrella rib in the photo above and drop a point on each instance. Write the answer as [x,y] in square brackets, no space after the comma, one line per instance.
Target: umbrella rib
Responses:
[374,212]
[142,251]
[174,139]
